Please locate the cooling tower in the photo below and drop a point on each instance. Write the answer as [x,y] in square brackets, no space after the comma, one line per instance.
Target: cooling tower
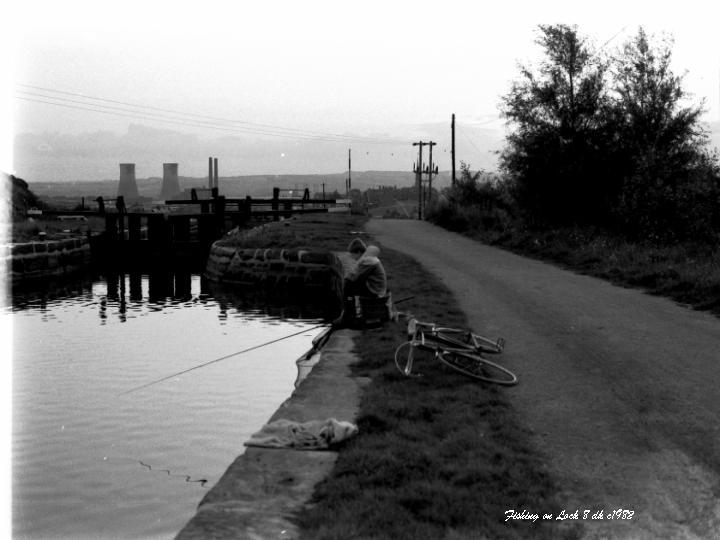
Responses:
[128,186]
[170,184]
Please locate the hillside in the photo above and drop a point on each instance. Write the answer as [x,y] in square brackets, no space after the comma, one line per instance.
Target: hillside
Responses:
[240,186]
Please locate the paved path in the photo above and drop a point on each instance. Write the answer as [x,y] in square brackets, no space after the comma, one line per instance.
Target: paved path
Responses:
[620,389]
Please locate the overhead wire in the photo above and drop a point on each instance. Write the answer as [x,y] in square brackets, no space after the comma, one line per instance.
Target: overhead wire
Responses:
[169,120]
[190,119]
[212,118]
[173,111]
[616,34]
[475,124]
[462,131]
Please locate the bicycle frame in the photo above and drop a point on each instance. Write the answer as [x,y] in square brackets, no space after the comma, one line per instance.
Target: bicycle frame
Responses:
[463,355]
[473,342]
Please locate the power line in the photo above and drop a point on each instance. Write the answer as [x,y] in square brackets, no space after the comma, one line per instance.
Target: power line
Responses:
[213,118]
[470,141]
[177,121]
[613,37]
[107,109]
[483,123]
[211,122]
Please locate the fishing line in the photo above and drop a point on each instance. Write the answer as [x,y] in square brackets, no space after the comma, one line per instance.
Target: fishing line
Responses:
[219,359]
[187,477]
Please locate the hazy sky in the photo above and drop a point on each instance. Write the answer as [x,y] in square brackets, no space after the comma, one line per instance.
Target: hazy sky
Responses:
[381,70]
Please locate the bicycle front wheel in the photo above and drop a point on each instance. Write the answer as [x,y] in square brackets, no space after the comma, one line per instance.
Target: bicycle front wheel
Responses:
[478,367]
[404,361]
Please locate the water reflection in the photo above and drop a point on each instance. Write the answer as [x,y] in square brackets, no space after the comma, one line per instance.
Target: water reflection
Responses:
[122,293]
[78,447]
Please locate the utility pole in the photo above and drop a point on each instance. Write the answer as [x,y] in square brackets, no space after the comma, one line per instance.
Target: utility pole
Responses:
[452,150]
[430,173]
[419,173]
[418,177]
[349,182]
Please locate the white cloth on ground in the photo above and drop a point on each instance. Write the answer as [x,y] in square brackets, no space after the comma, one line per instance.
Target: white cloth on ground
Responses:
[312,435]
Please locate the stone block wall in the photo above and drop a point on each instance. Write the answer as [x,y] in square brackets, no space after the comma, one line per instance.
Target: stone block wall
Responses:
[292,270]
[33,260]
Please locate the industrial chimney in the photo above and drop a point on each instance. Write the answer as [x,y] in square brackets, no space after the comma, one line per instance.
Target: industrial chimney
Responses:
[170,184]
[128,186]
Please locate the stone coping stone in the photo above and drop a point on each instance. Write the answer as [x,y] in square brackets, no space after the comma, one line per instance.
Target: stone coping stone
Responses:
[264,489]
[42,246]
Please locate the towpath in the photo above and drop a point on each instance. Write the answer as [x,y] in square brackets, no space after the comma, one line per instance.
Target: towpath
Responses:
[620,389]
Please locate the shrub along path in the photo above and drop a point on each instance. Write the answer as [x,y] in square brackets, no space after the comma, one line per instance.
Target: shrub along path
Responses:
[618,388]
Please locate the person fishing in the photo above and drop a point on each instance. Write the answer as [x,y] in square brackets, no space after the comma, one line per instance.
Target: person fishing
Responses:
[356,248]
[367,277]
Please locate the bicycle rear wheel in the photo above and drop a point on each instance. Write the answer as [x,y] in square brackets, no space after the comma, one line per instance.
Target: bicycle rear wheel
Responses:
[478,367]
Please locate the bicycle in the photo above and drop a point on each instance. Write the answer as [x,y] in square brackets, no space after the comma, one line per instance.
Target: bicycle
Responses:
[461,350]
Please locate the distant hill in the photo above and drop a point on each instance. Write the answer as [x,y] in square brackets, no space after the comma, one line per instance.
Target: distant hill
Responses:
[62,157]
[241,186]
[90,157]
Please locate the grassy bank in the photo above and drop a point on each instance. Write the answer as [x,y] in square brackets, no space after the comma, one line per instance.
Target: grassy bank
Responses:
[330,231]
[29,230]
[439,456]
[686,272]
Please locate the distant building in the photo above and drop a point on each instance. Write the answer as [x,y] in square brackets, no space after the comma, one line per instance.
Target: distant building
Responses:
[127,187]
[170,184]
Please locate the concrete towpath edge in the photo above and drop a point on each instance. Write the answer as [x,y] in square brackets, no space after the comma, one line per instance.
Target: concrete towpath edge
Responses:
[264,488]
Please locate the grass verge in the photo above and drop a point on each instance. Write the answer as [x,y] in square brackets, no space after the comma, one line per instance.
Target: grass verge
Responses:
[688,273]
[330,231]
[29,230]
[439,456]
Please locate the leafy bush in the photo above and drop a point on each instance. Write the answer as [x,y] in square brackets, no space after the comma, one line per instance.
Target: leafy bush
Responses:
[610,142]
[476,201]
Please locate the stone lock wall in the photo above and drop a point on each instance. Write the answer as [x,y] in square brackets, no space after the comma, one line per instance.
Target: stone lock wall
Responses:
[32,260]
[292,270]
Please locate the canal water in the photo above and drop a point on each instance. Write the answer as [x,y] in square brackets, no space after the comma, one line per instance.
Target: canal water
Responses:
[92,462]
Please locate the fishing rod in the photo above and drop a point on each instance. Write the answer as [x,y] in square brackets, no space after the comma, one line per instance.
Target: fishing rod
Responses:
[220,359]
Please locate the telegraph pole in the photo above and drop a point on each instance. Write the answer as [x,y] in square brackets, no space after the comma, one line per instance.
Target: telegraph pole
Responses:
[430,175]
[452,150]
[418,177]
[419,173]
[349,182]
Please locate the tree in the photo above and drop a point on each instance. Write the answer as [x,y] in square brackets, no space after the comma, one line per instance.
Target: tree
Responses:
[555,152]
[667,173]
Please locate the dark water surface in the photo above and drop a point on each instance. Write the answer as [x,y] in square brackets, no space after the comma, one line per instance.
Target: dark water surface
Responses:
[89,462]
